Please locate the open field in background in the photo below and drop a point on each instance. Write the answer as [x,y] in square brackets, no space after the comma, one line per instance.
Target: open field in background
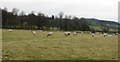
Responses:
[22,45]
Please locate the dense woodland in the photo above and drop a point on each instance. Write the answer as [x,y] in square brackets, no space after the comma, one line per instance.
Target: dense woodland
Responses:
[40,21]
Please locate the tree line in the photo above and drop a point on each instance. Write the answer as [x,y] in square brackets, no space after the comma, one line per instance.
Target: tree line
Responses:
[40,21]
[15,20]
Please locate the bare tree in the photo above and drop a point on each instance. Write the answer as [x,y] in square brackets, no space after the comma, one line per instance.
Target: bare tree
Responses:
[15,11]
[105,28]
[61,15]
[22,18]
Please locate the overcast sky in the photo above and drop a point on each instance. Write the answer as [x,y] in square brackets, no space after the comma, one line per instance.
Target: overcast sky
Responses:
[100,9]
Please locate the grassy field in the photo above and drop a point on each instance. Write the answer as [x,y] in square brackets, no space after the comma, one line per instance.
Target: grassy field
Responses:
[0,44]
[22,45]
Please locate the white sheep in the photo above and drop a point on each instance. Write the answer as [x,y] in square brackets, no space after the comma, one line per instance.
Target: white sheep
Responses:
[57,31]
[74,33]
[113,34]
[92,34]
[98,33]
[110,35]
[81,32]
[10,30]
[50,34]
[105,34]
[33,32]
[116,33]
[40,30]
[67,33]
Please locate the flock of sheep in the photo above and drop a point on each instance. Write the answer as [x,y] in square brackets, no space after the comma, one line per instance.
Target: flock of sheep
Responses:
[68,33]
[104,34]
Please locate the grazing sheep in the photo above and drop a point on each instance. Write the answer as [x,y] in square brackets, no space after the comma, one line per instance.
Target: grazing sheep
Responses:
[33,32]
[110,35]
[75,33]
[116,33]
[40,30]
[57,31]
[113,34]
[98,33]
[105,34]
[67,33]
[10,30]
[81,32]
[50,33]
[92,34]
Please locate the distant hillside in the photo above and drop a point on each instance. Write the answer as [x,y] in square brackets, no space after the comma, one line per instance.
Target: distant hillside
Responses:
[97,23]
